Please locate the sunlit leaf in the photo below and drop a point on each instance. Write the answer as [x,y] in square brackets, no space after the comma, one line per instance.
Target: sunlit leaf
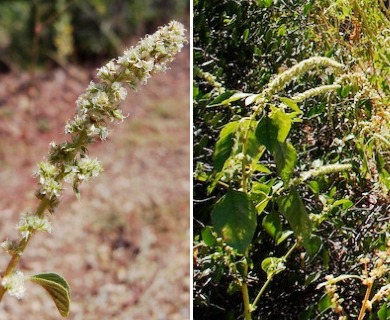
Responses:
[282,30]
[220,100]
[224,145]
[282,122]
[272,266]
[325,303]
[261,168]
[290,103]
[253,146]
[273,129]
[345,203]
[259,195]
[283,236]
[251,98]
[245,35]
[228,97]
[265,3]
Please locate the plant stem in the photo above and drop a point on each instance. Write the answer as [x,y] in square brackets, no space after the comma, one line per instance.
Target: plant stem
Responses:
[271,276]
[247,306]
[245,294]
[366,297]
[265,285]
[43,204]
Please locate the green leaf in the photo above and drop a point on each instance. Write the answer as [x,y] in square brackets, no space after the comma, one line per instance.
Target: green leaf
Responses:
[313,245]
[384,312]
[251,98]
[307,314]
[234,286]
[309,279]
[265,3]
[273,129]
[195,92]
[245,36]
[285,159]
[345,203]
[325,303]
[272,224]
[253,147]
[282,122]
[292,207]
[208,236]
[58,289]
[224,145]
[228,97]
[259,195]
[272,266]
[290,103]
[221,98]
[314,186]
[284,236]
[235,219]
[345,91]
[282,30]
[261,168]
[266,133]
[384,176]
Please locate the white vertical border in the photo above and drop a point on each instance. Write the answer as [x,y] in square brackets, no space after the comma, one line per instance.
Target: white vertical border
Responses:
[191,162]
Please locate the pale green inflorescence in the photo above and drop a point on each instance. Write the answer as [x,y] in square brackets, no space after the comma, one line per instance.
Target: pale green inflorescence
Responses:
[30,223]
[48,173]
[100,104]
[283,79]
[102,100]
[325,169]
[300,97]
[82,170]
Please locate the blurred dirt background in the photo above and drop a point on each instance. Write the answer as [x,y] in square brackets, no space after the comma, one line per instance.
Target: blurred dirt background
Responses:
[124,247]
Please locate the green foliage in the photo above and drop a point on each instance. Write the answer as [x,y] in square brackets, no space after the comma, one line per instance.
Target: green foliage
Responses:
[293,209]
[308,147]
[243,43]
[234,217]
